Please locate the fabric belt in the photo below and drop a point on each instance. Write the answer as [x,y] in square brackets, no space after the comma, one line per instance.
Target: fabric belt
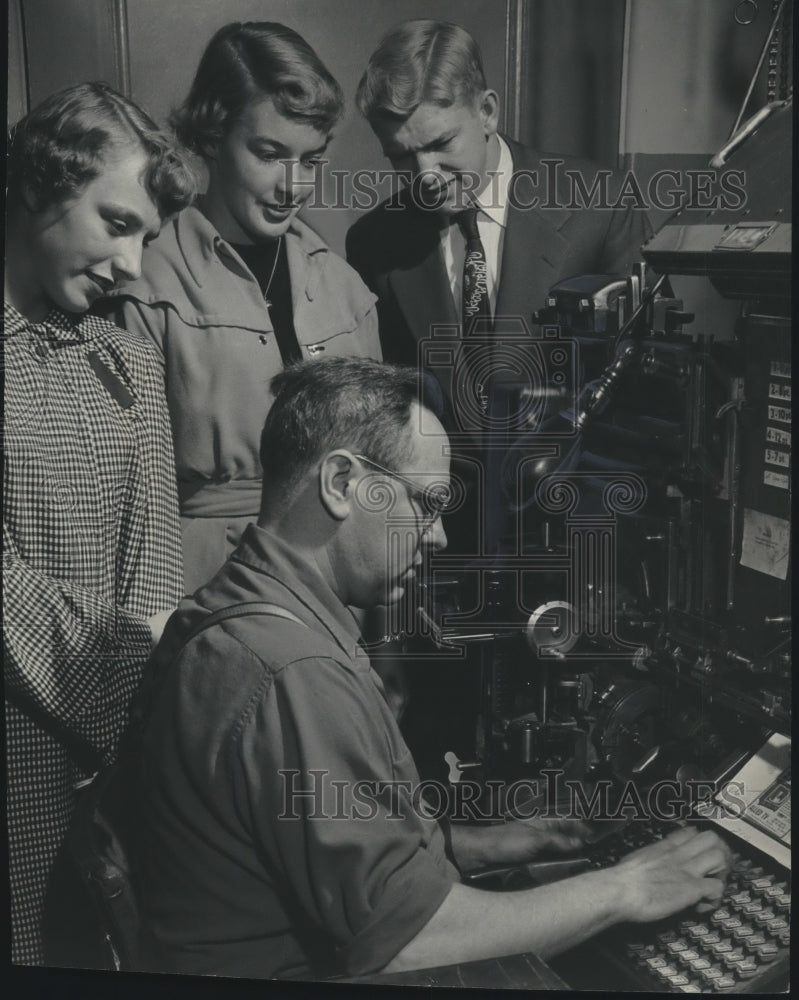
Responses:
[237,498]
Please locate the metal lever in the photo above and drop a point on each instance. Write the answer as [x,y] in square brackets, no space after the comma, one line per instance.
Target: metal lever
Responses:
[457,767]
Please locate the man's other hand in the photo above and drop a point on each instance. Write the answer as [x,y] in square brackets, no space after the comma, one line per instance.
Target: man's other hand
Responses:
[528,839]
[516,841]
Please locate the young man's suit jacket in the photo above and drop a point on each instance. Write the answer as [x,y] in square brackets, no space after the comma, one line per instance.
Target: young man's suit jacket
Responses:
[395,248]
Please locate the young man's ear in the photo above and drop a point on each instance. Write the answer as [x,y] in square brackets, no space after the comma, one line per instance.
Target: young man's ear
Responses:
[488,109]
[336,484]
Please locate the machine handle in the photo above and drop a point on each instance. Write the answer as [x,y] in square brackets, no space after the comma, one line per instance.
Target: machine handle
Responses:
[743,132]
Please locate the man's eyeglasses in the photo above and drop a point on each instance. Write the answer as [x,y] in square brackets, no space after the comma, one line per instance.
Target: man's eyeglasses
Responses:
[433,501]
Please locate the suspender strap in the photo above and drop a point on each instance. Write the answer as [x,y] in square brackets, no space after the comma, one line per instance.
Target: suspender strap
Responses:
[154,673]
[243,610]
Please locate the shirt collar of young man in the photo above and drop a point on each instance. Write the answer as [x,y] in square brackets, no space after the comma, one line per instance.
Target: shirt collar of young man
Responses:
[492,219]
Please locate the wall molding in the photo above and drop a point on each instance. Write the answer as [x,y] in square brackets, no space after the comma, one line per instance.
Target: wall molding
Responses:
[119,20]
[515,109]
[17,82]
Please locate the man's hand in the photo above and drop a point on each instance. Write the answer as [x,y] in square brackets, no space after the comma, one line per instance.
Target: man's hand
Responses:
[515,842]
[524,840]
[684,869]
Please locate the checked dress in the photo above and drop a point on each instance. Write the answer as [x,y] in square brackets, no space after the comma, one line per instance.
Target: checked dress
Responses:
[91,549]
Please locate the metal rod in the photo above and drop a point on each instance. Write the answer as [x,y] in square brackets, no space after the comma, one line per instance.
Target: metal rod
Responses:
[119,15]
[759,66]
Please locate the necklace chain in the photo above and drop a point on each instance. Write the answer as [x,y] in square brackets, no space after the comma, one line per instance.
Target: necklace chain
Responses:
[267,300]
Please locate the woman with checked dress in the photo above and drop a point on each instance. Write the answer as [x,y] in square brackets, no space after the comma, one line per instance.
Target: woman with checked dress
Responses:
[91,538]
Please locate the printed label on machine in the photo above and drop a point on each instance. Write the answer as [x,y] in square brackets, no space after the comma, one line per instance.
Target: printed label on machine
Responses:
[782,414]
[761,791]
[778,479]
[779,390]
[766,543]
[774,456]
[772,809]
[776,435]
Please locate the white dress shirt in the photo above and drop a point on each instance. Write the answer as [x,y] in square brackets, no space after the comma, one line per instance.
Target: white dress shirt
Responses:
[492,211]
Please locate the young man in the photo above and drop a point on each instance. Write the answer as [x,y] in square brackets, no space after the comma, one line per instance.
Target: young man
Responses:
[425,95]
[279,827]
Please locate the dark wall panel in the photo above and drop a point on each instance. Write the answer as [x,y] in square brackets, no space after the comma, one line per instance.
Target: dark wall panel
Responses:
[17,75]
[574,54]
[68,41]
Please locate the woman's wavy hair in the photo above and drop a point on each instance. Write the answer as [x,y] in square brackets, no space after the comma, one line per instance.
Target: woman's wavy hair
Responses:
[251,60]
[64,143]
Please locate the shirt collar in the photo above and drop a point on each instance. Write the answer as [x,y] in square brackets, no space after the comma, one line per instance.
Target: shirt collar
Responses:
[264,551]
[58,325]
[493,201]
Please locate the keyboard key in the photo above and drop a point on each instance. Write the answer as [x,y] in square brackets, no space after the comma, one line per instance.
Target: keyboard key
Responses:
[698,931]
[655,962]
[666,972]
[764,916]
[739,899]
[724,983]
[742,933]
[750,876]
[754,940]
[784,937]
[700,964]
[764,882]
[679,979]
[709,940]
[722,948]
[710,975]
[720,915]
[746,969]
[756,906]
[766,951]
[690,988]
[674,947]
[686,957]
[666,937]
[731,923]
[733,958]
[775,891]
[776,925]
[684,926]
[782,903]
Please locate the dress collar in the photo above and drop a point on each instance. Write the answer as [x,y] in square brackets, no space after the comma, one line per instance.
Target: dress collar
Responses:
[69,328]
[201,243]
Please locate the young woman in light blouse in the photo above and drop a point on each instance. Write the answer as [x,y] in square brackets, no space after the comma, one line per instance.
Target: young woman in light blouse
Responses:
[238,286]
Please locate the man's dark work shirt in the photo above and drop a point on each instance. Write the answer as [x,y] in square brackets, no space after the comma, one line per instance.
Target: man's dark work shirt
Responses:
[242,875]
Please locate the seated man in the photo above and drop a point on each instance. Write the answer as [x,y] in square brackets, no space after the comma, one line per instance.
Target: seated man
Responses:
[279,832]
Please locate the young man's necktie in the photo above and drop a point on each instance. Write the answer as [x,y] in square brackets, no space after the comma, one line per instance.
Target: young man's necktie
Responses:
[476,304]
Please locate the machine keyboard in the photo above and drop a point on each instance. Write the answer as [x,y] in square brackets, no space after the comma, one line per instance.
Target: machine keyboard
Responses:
[740,947]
